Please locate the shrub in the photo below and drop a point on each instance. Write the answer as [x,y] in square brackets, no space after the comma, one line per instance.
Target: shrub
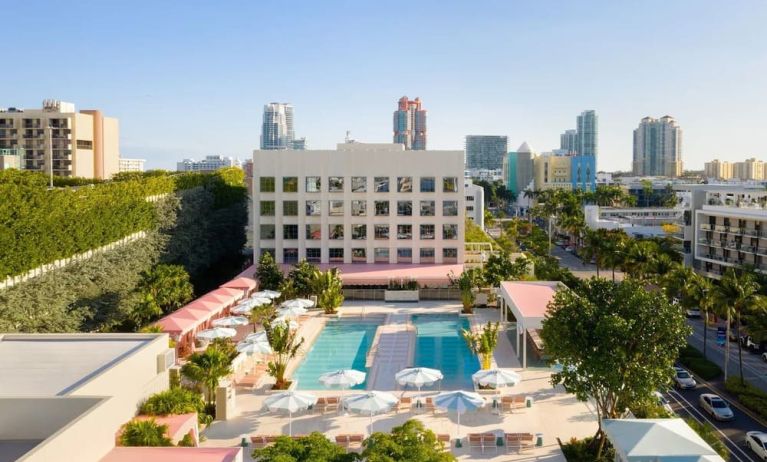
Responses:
[693,359]
[403,284]
[187,441]
[585,450]
[144,433]
[710,436]
[748,395]
[176,400]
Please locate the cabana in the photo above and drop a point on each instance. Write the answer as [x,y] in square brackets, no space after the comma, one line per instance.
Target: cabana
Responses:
[528,301]
[243,283]
[657,440]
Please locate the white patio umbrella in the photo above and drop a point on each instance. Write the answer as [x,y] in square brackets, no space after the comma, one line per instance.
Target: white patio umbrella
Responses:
[459,401]
[418,377]
[231,321]
[371,403]
[254,348]
[292,324]
[246,306]
[259,336]
[217,332]
[291,401]
[291,311]
[258,301]
[303,302]
[497,378]
[271,294]
[344,378]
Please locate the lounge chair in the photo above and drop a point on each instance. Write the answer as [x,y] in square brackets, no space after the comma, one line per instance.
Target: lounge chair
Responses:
[332,403]
[342,440]
[475,441]
[258,441]
[404,404]
[444,438]
[429,406]
[489,441]
[519,441]
[320,405]
[356,440]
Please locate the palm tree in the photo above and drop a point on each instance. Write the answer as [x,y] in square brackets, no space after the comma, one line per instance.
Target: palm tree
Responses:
[737,295]
[697,292]
[675,280]
[662,265]
[594,246]
[615,248]
[206,369]
[285,345]
[483,343]
[639,260]
[145,433]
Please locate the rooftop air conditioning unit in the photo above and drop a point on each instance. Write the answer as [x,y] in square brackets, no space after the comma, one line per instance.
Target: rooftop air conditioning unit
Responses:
[166,360]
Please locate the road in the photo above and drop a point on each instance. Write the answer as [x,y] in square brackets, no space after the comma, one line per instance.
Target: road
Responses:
[754,369]
[578,268]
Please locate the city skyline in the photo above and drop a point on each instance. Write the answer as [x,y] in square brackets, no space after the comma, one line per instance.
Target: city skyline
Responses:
[619,78]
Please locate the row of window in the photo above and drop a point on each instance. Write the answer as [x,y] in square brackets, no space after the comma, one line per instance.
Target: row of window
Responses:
[360,232]
[359,208]
[381,184]
[380,255]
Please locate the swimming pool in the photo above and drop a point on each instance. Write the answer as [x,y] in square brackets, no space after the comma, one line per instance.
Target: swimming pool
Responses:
[439,345]
[342,344]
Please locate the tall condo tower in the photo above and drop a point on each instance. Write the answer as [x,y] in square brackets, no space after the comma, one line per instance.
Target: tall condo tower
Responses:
[658,147]
[587,127]
[277,129]
[410,124]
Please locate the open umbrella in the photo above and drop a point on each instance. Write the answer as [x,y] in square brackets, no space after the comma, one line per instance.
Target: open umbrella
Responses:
[302,302]
[291,311]
[254,348]
[371,403]
[344,378]
[259,336]
[246,306]
[418,377]
[292,325]
[271,294]
[217,332]
[230,321]
[291,401]
[496,377]
[459,401]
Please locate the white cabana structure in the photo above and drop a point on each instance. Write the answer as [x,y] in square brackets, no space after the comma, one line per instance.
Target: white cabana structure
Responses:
[657,440]
[528,302]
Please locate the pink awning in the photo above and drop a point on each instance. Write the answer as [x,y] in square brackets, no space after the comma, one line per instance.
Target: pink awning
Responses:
[197,312]
[243,283]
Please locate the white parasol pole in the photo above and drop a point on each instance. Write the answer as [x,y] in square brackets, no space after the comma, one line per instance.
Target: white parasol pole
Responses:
[290,423]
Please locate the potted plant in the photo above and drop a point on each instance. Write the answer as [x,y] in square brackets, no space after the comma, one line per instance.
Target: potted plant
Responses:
[402,290]
[467,283]
[483,343]
[285,346]
[329,289]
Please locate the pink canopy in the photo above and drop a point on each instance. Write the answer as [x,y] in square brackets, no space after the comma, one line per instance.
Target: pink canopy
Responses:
[197,312]
[243,283]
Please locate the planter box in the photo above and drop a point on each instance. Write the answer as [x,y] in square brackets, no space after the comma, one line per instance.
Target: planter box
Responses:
[401,295]
[271,391]
[480,299]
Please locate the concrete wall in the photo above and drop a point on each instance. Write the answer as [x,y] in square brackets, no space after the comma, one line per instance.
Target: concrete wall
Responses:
[111,147]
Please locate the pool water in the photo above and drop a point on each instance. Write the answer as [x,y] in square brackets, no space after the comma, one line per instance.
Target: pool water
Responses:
[439,345]
[342,344]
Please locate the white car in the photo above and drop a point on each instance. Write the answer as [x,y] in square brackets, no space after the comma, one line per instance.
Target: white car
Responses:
[764,357]
[757,442]
[683,380]
[716,407]
[693,312]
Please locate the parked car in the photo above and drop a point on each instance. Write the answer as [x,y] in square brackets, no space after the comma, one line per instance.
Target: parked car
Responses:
[683,380]
[764,357]
[663,402]
[692,312]
[570,249]
[716,407]
[757,442]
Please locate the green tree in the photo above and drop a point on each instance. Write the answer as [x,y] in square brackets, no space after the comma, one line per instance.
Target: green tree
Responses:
[167,285]
[615,342]
[594,247]
[329,287]
[314,447]
[145,433]
[500,267]
[698,293]
[268,273]
[262,314]
[483,343]
[615,248]
[285,345]
[410,441]
[639,262]
[735,296]
[466,283]
[206,369]
[302,275]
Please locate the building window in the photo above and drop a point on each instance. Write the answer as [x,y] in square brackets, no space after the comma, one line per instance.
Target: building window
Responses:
[266,184]
[84,144]
[267,231]
[314,232]
[469,208]
[381,255]
[359,208]
[290,231]
[381,231]
[289,208]
[359,256]
[267,208]
[359,184]
[313,255]
[450,255]
[336,208]
[404,231]
[449,208]
[313,208]
[405,184]
[335,232]
[404,208]
[336,184]
[290,255]
[404,255]
[427,208]
[290,184]
[359,232]
[336,255]
[427,184]
[382,184]
[382,208]
[470,198]
[449,184]
[427,255]
[449,231]
[427,231]
[313,184]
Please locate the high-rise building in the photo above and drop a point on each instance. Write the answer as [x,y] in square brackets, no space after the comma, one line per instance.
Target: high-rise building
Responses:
[588,133]
[277,130]
[131,165]
[518,169]
[485,151]
[721,170]
[299,144]
[658,147]
[410,124]
[568,141]
[83,144]
[750,169]
[209,164]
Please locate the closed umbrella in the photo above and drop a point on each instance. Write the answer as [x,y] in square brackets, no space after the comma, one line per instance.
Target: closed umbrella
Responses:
[254,348]
[418,377]
[231,321]
[459,401]
[372,402]
[216,332]
[291,401]
[271,294]
[344,378]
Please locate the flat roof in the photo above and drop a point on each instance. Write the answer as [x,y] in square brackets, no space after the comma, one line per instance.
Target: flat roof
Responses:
[171,454]
[57,364]
[381,273]
[11,450]
[531,298]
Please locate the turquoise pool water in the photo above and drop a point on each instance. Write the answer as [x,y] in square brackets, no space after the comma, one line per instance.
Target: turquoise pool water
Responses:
[342,344]
[439,345]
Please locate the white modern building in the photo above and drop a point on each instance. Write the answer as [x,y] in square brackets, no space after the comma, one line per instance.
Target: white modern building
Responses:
[209,164]
[277,130]
[131,165]
[475,203]
[638,222]
[360,203]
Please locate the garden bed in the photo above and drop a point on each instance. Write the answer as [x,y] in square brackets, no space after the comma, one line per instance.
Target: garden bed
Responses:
[748,395]
[693,359]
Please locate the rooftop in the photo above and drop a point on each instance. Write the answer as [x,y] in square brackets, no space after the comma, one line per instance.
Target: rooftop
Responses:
[380,274]
[123,454]
[531,298]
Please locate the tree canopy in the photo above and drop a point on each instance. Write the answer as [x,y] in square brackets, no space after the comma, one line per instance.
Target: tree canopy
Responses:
[314,447]
[410,441]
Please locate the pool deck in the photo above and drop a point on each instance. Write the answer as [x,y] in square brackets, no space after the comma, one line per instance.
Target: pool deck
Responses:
[554,413]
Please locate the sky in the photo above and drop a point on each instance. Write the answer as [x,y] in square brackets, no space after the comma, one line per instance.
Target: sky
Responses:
[188,79]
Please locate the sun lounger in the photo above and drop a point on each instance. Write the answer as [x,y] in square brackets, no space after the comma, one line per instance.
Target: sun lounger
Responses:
[320,405]
[332,403]
[444,438]
[342,440]
[429,406]
[404,404]
[475,441]
[509,403]
[519,441]
[262,441]
[489,441]
[356,440]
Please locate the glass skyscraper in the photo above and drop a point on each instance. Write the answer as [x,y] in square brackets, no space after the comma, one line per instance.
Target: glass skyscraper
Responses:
[410,124]
[587,127]
[486,151]
[277,128]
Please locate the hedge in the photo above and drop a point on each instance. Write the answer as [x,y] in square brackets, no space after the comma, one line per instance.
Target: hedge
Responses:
[693,359]
[748,395]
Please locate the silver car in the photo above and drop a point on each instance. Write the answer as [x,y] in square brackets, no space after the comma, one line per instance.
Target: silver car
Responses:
[757,442]
[683,379]
[716,407]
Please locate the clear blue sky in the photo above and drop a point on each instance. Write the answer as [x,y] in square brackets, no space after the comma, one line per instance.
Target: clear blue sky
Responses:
[190,78]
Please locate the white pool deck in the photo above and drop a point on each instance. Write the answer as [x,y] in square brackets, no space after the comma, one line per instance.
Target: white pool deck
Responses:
[555,414]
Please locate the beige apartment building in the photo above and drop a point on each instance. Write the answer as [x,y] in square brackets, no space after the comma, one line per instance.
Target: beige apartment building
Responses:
[80,144]
[749,169]
[552,172]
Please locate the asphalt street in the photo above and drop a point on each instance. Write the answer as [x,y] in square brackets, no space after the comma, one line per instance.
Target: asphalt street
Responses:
[578,268]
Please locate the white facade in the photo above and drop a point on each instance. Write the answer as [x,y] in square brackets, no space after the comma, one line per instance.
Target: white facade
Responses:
[475,203]
[131,165]
[642,222]
[209,164]
[360,203]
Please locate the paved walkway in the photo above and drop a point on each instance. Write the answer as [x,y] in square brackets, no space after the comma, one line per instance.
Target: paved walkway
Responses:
[395,348]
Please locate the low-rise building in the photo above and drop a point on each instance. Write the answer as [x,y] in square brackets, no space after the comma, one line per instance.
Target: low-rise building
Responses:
[11,158]
[475,203]
[209,164]
[131,165]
